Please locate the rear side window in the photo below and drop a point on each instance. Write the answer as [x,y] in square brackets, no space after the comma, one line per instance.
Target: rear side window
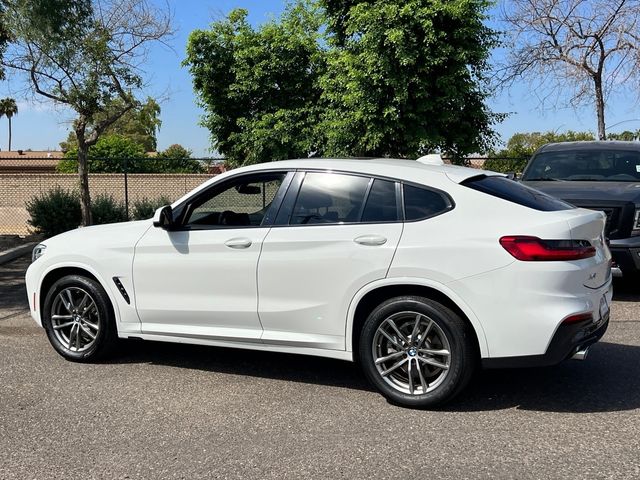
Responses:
[422,203]
[329,198]
[515,192]
[382,205]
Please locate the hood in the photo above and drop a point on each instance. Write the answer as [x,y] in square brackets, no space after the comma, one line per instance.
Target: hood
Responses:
[113,235]
[596,191]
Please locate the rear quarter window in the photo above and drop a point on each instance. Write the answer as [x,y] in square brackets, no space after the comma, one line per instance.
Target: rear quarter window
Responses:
[515,192]
[421,203]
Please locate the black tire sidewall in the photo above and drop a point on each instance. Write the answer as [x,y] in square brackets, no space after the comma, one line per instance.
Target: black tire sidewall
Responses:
[106,332]
[461,360]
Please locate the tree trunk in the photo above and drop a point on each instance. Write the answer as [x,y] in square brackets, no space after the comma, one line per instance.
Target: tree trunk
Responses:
[83,173]
[602,131]
[9,133]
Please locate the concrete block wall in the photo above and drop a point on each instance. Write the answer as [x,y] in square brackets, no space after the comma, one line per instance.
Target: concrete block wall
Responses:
[17,189]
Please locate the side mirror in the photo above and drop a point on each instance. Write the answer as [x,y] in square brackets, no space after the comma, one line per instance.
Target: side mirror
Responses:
[163,218]
[512,175]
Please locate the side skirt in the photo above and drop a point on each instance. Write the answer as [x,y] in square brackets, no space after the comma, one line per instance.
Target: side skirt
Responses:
[317,352]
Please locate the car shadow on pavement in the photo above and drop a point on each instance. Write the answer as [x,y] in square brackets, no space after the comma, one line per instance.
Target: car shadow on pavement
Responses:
[252,363]
[608,380]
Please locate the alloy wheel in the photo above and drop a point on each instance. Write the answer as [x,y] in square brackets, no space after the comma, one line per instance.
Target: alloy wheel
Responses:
[411,353]
[75,319]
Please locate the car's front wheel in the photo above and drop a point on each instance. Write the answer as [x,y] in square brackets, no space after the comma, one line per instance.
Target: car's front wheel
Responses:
[78,319]
[416,351]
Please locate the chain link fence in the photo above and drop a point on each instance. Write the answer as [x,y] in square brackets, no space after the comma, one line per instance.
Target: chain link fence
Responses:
[134,181]
[126,181]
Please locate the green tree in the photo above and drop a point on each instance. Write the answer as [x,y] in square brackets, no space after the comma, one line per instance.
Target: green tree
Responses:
[117,153]
[108,155]
[626,136]
[259,87]
[175,151]
[175,159]
[139,124]
[407,77]
[390,77]
[8,108]
[4,37]
[521,146]
[86,55]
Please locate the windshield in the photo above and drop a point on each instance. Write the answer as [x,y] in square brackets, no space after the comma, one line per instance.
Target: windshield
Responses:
[585,165]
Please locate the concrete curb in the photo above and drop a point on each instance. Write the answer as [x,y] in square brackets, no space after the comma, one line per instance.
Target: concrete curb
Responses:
[12,254]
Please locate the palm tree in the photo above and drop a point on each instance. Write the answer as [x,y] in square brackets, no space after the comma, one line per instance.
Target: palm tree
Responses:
[9,108]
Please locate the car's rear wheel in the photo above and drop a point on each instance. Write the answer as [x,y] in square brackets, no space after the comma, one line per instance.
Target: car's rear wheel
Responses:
[78,319]
[417,352]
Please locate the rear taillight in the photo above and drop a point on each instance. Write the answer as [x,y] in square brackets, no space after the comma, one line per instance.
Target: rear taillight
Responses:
[534,249]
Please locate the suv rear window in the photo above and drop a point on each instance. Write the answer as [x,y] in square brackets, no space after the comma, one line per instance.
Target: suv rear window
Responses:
[515,192]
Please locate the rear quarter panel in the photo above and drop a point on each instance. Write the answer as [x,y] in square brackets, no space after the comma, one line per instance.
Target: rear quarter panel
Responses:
[517,304]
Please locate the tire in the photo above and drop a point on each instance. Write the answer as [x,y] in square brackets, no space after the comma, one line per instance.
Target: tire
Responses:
[78,318]
[432,384]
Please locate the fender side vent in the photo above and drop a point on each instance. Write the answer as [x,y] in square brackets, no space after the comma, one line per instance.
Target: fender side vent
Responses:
[124,293]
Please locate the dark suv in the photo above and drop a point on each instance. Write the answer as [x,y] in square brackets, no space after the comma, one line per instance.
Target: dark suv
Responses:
[601,176]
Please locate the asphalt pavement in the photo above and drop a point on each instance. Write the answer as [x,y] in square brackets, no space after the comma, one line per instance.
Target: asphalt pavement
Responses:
[159,411]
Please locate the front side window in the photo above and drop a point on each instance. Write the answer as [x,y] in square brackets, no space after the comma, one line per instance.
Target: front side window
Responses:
[241,203]
[329,198]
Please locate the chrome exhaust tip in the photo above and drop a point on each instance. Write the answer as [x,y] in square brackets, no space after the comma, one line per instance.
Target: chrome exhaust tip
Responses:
[581,354]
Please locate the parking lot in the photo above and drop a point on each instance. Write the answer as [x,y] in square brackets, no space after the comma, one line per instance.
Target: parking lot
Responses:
[179,411]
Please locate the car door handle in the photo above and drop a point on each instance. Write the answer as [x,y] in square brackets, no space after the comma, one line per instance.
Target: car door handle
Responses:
[370,240]
[238,243]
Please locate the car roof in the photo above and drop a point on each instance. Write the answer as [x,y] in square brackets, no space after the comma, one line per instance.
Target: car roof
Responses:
[409,170]
[401,169]
[590,145]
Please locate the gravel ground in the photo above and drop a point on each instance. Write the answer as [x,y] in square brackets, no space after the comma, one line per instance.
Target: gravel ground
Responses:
[178,411]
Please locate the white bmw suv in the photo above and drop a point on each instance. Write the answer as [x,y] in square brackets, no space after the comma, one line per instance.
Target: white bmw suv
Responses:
[420,273]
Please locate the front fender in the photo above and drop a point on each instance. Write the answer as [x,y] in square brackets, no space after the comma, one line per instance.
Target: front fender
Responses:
[125,314]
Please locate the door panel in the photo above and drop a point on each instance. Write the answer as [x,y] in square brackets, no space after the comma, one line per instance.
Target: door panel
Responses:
[307,277]
[193,283]
[200,278]
[317,257]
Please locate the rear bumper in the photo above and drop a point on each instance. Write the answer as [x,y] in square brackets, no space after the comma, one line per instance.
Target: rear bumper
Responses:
[568,339]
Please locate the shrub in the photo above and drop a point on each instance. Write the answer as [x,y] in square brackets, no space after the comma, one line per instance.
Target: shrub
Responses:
[58,211]
[105,209]
[505,165]
[54,212]
[145,208]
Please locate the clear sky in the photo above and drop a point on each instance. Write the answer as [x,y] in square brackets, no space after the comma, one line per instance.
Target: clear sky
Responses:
[40,126]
